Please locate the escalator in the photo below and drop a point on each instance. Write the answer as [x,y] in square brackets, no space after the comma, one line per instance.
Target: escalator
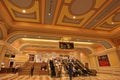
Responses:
[78,68]
[81,68]
[84,69]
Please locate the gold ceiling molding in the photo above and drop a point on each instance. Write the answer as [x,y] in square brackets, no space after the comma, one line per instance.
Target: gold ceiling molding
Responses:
[68,31]
[33,46]
[36,48]
[66,12]
[21,34]
[116,42]
[24,34]
[66,39]
[42,43]
[34,10]
[49,51]
[87,21]
[80,19]
[111,23]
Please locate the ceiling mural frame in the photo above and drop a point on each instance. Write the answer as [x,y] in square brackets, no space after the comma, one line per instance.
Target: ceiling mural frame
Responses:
[16,11]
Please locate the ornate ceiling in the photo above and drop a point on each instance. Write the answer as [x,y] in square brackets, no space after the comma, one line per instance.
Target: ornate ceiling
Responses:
[98,20]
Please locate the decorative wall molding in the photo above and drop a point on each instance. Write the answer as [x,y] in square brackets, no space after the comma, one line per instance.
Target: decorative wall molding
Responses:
[3,30]
[9,46]
[107,51]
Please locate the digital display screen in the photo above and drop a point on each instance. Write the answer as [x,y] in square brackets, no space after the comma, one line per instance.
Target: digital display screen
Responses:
[66,45]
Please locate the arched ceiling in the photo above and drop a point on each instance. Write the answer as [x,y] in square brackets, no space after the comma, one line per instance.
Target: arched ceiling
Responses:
[98,19]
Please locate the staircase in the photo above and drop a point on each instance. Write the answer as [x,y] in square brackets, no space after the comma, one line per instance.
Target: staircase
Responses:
[25,70]
[38,70]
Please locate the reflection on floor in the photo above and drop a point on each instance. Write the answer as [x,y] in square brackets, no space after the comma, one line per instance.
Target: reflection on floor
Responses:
[47,77]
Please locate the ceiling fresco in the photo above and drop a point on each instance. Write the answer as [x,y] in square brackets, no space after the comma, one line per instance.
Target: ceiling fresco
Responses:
[98,19]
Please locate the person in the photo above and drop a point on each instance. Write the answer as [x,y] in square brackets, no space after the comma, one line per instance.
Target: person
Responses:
[32,70]
[56,71]
[16,69]
[70,71]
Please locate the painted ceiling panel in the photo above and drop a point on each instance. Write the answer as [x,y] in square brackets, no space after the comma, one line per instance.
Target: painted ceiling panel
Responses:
[107,10]
[110,23]
[77,15]
[22,3]
[50,10]
[83,14]
[21,12]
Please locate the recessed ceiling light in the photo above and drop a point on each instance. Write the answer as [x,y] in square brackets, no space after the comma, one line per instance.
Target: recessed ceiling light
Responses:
[24,11]
[49,14]
[112,22]
[74,17]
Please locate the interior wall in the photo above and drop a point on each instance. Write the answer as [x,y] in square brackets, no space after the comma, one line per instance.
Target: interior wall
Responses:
[4,49]
[112,56]
[76,54]
[114,61]
[2,53]
[1,47]
[21,58]
[93,62]
[6,61]
[84,58]
[118,53]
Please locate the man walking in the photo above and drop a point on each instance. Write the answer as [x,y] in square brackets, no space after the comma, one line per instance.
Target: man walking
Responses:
[70,71]
[32,70]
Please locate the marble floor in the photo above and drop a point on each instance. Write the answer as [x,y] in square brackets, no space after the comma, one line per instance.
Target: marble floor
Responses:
[47,77]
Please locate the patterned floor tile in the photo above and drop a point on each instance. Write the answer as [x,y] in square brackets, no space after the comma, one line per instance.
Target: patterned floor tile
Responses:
[47,77]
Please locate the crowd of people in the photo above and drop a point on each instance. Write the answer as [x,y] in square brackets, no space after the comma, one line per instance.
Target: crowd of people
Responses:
[61,66]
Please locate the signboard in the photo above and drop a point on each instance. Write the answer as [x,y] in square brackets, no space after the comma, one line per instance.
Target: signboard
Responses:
[66,45]
[103,60]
